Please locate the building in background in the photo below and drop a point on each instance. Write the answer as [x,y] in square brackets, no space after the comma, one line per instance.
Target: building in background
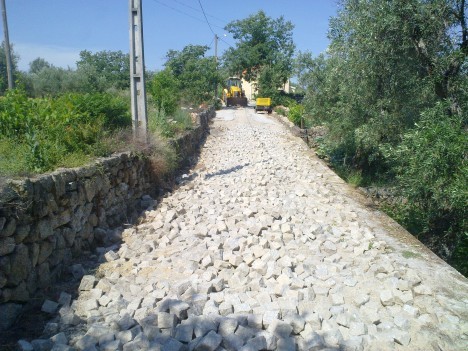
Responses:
[250,88]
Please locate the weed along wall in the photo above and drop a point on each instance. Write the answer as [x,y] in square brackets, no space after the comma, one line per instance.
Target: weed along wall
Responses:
[47,221]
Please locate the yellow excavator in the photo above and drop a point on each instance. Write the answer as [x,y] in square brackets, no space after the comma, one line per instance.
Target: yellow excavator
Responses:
[233,94]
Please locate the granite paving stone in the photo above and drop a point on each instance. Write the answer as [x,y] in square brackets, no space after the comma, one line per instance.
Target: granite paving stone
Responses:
[261,247]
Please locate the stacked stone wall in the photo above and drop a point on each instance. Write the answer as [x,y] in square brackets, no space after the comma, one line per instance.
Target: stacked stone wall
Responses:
[47,221]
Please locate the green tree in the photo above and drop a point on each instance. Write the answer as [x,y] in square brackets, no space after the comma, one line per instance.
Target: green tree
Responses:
[105,69]
[3,67]
[53,81]
[432,172]
[387,62]
[165,91]
[316,80]
[38,64]
[264,50]
[195,73]
[392,90]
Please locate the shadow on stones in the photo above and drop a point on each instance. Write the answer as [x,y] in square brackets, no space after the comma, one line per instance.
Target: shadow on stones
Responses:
[165,331]
[226,171]
[32,323]
[177,325]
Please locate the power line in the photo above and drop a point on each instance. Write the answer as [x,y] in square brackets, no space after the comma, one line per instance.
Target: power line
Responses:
[183,13]
[179,11]
[198,10]
[211,42]
[196,18]
[225,42]
[206,18]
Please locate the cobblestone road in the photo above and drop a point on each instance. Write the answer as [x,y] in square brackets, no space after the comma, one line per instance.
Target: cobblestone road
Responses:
[262,247]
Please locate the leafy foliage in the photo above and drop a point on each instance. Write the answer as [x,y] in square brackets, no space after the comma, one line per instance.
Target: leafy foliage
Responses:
[38,65]
[195,74]
[392,93]
[165,91]
[50,129]
[262,41]
[263,52]
[432,172]
[53,81]
[105,69]
[102,71]
[169,126]
[296,113]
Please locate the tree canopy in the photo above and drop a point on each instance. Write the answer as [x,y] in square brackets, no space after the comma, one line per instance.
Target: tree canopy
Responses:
[195,73]
[263,44]
[38,64]
[393,92]
[105,69]
[96,72]
[3,67]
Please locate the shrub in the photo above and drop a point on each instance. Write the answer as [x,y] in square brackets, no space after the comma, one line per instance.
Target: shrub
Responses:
[431,169]
[165,91]
[295,114]
[281,111]
[168,126]
[52,130]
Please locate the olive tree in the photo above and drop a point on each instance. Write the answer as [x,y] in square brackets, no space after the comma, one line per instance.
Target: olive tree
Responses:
[195,73]
[263,51]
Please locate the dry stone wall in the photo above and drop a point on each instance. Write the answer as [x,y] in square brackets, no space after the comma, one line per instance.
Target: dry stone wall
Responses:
[48,220]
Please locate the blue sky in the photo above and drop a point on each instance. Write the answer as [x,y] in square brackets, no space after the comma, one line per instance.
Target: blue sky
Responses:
[57,30]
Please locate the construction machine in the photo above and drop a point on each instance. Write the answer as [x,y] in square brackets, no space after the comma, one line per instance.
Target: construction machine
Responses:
[233,94]
[263,104]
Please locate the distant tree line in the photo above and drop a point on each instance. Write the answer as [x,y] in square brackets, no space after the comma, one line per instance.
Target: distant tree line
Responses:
[95,72]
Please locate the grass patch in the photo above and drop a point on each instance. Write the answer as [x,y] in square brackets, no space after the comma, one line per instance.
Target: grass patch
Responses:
[13,158]
[169,126]
[355,179]
[410,254]
[350,175]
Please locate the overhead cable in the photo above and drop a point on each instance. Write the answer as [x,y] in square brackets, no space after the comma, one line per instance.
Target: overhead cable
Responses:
[220,38]
[182,12]
[206,18]
[198,10]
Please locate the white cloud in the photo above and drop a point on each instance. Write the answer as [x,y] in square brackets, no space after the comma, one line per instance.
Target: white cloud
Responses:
[57,55]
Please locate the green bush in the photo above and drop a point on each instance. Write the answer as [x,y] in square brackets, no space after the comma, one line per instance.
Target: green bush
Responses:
[296,112]
[165,91]
[48,131]
[432,172]
[168,126]
[281,111]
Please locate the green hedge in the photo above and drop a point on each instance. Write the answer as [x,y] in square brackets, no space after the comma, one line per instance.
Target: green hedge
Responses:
[49,132]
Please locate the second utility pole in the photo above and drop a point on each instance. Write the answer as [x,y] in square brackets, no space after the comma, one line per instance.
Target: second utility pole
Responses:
[7,47]
[216,62]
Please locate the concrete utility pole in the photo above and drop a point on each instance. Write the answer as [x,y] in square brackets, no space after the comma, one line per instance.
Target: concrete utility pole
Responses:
[7,47]
[137,71]
[216,61]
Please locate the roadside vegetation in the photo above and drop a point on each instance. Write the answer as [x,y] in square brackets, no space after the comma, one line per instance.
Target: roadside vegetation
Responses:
[40,134]
[66,117]
[392,92]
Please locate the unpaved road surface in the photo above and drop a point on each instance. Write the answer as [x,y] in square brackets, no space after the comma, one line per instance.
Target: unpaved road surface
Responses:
[264,248]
